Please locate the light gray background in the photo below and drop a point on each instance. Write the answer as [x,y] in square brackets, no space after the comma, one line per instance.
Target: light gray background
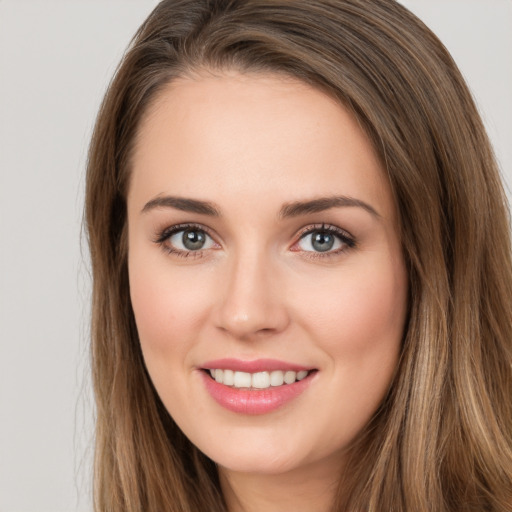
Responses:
[56,58]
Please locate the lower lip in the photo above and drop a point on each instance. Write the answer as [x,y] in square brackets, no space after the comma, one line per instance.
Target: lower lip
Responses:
[255,401]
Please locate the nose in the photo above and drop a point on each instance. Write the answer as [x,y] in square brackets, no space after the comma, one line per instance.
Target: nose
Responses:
[252,302]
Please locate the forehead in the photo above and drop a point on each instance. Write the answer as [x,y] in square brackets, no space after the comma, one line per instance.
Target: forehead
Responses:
[249,137]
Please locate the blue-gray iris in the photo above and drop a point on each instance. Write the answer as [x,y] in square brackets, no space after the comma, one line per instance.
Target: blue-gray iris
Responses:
[322,241]
[193,239]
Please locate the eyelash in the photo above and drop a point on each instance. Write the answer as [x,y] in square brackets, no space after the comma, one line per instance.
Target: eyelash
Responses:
[345,238]
[164,236]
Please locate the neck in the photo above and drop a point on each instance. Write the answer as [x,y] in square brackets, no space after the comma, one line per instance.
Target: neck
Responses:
[307,489]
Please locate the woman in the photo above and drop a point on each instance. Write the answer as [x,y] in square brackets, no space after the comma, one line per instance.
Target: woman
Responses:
[301,262]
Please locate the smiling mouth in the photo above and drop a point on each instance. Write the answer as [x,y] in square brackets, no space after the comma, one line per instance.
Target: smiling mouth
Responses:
[257,380]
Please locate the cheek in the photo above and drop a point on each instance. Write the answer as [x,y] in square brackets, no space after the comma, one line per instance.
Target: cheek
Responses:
[168,305]
[357,320]
[358,316]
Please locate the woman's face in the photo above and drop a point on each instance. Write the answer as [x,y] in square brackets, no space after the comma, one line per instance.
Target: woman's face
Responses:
[263,246]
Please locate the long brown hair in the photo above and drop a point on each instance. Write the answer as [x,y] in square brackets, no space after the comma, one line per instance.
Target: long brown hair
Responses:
[442,438]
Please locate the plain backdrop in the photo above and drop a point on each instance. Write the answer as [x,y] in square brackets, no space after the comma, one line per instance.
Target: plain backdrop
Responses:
[56,58]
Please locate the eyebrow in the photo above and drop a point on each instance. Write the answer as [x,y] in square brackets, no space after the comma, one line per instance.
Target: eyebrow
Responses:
[293,209]
[183,204]
[297,208]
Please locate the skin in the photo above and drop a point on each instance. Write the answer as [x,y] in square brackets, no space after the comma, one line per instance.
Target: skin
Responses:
[251,144]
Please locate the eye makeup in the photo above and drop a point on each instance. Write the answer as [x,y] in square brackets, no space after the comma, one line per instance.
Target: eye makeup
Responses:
[325,241]
[193,240]
[314,241]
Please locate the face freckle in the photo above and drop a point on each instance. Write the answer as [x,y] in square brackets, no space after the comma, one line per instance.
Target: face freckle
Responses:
[263,234]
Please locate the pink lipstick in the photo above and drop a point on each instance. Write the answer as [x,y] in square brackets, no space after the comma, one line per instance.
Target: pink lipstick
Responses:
[255,387]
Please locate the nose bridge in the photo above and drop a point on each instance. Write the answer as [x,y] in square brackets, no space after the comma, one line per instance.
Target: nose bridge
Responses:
[252,302]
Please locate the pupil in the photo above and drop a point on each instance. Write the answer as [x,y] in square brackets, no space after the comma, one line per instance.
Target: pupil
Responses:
[322,241]
[193,240]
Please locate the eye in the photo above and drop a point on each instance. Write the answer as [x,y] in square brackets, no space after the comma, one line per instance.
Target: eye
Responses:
[190,239]
[325,240]
[185,240]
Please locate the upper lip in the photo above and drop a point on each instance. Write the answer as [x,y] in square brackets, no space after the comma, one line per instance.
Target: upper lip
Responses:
[254,366]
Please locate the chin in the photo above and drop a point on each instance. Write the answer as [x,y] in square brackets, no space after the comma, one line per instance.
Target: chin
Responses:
[248,452]
[270,463]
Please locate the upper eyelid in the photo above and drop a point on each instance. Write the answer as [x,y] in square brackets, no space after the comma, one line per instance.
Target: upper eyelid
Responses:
[343,236]
[325,227]
[163,234]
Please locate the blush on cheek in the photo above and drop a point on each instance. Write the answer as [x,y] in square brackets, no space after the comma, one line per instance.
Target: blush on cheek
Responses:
[166,306]
[358,314]
[153,309]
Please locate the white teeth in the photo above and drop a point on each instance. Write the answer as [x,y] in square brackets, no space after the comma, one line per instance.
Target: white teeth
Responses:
[258,380]
[242,380]
[289,377]
[229,377]
[277,378]
[261,380]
